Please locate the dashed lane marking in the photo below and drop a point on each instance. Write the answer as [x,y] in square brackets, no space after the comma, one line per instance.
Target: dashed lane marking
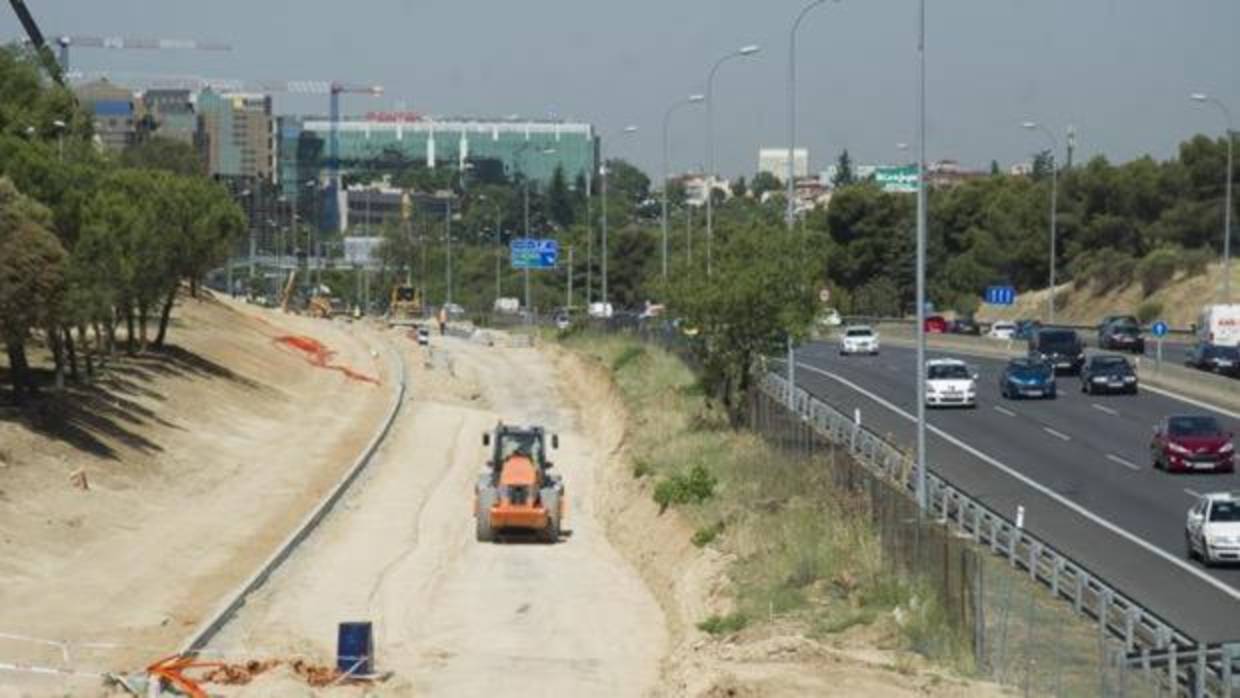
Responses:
[1104,408]
[1057,434]
[1123,461]
[1004,410]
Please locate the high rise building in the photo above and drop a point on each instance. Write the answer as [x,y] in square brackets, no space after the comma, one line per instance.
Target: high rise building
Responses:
[775,161]
[171,113]
[112,108]
[237,134]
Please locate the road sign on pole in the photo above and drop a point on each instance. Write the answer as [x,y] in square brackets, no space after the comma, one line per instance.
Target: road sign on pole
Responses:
[1000,295]
[531,253]
[1159,330]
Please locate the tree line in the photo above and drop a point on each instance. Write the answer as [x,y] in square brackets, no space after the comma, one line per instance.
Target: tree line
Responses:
[91,242]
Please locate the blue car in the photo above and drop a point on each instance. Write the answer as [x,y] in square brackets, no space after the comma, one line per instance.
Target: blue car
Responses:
[1027,378]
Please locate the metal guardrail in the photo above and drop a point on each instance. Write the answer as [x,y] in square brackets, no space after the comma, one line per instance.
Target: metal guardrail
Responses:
[1176,661]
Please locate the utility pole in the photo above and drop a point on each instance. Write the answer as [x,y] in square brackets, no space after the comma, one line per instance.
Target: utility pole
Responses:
[448,235]
[568,300]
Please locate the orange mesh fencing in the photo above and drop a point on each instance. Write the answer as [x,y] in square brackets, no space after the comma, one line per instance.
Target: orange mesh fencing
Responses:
[319,355]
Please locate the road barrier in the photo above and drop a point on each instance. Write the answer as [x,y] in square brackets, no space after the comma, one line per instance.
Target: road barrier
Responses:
[1135,638]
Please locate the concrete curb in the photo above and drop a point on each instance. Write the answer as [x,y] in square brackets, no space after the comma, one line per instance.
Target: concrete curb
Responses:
[210,627]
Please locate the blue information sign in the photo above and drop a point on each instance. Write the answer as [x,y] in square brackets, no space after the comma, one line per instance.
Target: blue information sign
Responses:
[1159,329]
[1000,295]
[530,253]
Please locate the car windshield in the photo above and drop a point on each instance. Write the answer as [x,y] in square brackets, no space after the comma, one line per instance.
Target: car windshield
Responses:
[1027,366]
[1057,340]
[523,444]
[1223,511]
[1109,363]
[1125,329]
[949,372]
[1216,352]
[860,332]
[1193,426]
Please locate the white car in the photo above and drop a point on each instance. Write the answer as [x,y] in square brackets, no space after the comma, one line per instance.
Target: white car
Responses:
[859,339]
[950,382]
[830,318]
[423,335]
[1003,329]
[1212,531]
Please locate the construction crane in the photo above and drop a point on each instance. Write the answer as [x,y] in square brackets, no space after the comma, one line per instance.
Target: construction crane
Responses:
[36,40]
[118,42]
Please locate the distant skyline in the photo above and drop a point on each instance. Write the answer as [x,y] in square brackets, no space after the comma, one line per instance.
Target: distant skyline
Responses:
[1119,71]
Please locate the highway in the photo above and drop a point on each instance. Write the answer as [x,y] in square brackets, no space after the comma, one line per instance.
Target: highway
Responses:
[1089,487]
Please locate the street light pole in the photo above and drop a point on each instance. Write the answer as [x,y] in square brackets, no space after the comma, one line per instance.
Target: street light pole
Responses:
[791,213]
[921,257]
[667,117]
[447,220]
[1231,140]
[1032,126]
[710,144]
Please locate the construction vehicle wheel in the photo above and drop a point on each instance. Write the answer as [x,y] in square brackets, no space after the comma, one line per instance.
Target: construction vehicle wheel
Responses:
[487,497]
[551,502]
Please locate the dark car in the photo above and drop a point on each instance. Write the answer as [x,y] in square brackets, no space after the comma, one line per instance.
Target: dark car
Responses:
[1118,319]
[964,326]
[1212,357]
[1061,348]
[1192,442]
[1108,373]
[1027,378]
[1121,335]
[1025,329]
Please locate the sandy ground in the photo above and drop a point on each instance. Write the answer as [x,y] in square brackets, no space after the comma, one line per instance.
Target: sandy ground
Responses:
[454,617]
[197,466]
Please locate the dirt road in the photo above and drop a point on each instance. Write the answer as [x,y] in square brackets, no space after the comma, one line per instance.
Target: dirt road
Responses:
[454,617]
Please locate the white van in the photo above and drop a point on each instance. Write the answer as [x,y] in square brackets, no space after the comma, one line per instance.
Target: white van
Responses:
[1219,325]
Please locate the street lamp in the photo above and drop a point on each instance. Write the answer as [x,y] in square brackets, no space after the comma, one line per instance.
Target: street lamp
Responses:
[742,52]
[1034,126]
[525,181]
[792,109]
[1231,139]
[667,117]
[628,130]
[60,138]
[232,248]
[922,205]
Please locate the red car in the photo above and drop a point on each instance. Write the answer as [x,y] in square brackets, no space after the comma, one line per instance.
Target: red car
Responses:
[936,324]
[1192,442]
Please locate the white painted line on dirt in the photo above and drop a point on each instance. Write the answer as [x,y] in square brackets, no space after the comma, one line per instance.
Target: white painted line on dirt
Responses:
[1123,461]
[1040,488]
[1057,434]
[1192,493]
[1004,410]
[1104,408]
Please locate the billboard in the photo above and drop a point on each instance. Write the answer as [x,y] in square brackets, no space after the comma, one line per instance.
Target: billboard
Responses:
[531,253]
[361,251]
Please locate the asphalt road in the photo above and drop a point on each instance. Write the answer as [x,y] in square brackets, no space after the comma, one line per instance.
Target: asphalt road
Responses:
[1089,450]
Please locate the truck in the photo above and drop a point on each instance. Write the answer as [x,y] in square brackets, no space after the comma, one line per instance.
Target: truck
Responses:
[405,306]
[507,306]
[1219,325]
[519,490]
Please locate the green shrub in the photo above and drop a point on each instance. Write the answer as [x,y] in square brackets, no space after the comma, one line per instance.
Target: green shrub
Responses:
[1196,262]
[641,469]
[707,534]
[724,625]
[1157,269]
[694,488]
[1148,312]
[630,354]
[1107,268]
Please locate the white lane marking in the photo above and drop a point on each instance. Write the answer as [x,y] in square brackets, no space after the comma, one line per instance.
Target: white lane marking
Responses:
[1104,408]
[1057,434]
[1041,489]
[1123,461]
[1192,493]
[1004,410]
[1194,402]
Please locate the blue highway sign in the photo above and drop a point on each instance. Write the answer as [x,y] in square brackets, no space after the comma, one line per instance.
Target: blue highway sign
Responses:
[1159,329]
[530,253]
[1000,295]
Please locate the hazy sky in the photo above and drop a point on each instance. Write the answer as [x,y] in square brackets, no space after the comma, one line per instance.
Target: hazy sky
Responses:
[1119,70]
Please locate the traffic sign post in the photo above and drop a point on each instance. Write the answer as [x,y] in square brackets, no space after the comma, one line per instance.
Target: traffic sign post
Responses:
[531,253]
[1159,329]
[1000,295]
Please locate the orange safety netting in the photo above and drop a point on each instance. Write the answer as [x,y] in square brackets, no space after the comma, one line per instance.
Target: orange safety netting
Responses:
[319,355]
[172,669]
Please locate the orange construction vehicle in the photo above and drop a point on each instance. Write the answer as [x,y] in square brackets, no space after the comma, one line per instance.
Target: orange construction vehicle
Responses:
[518,492]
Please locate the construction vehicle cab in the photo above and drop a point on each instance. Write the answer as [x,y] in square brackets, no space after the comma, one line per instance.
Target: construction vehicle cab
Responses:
[405,306]
[518,491]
